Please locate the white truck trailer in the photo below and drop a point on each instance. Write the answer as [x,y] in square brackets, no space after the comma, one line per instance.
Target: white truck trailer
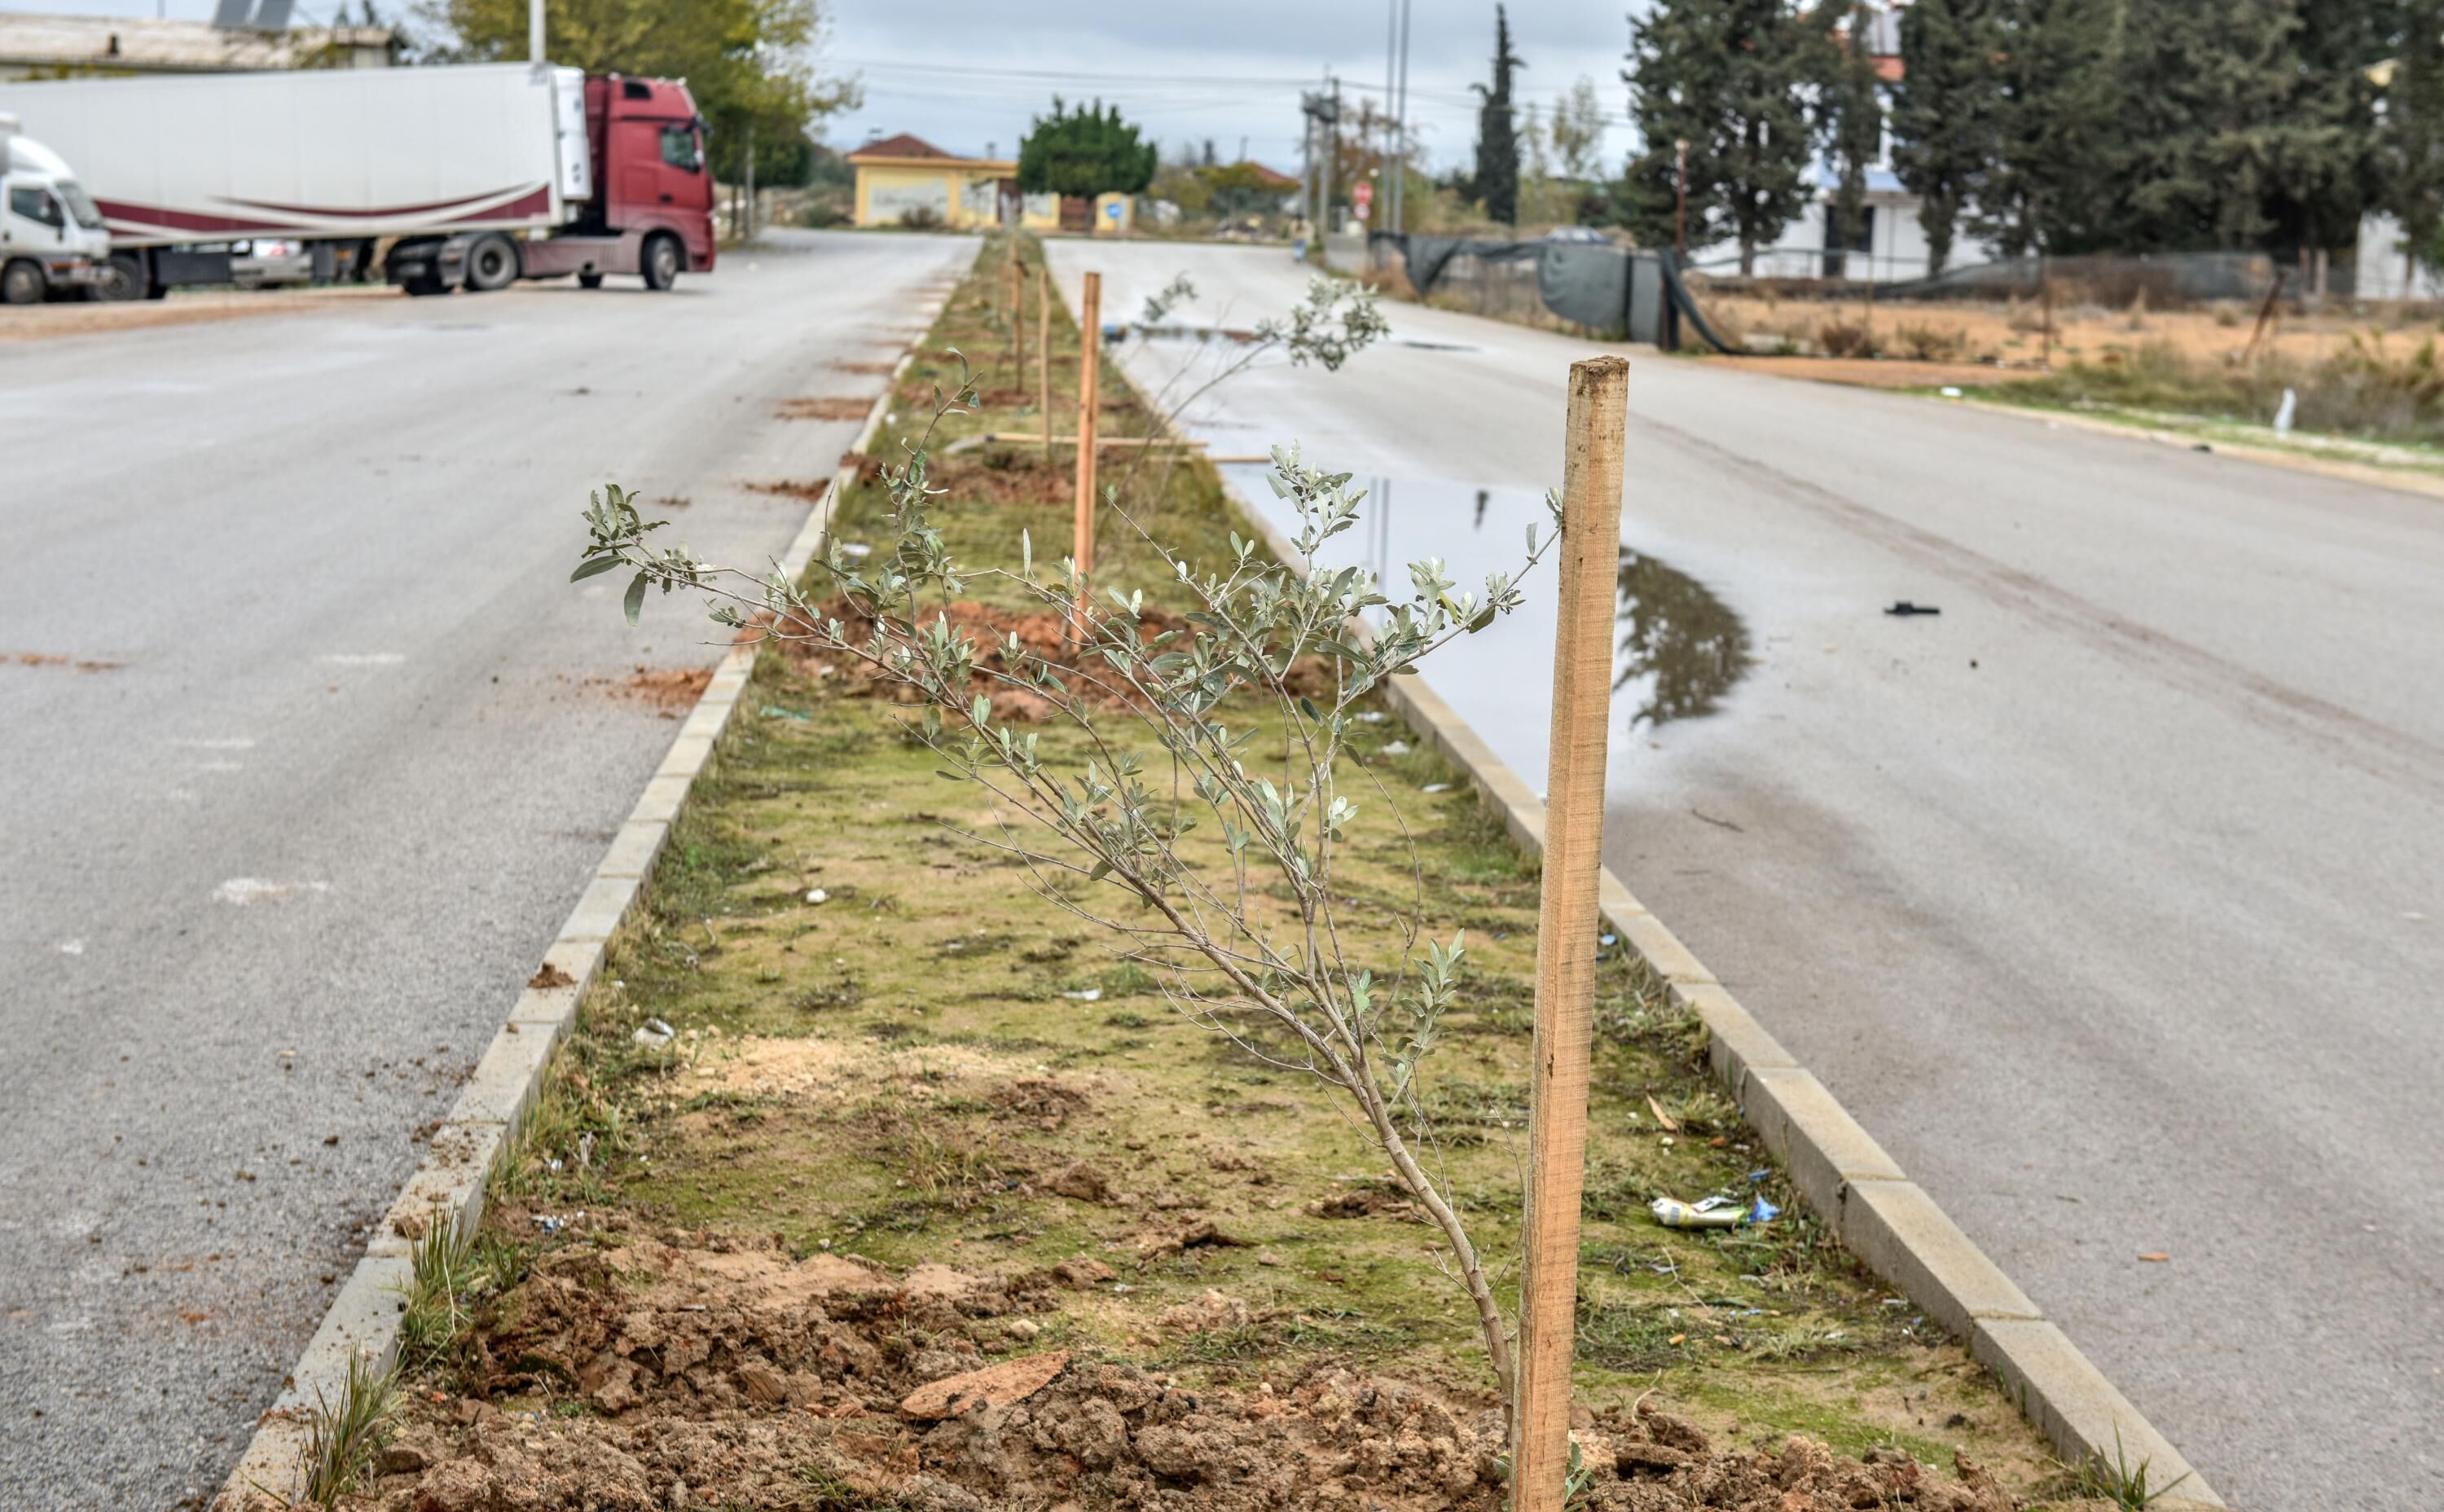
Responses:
[466,177]
[51,236]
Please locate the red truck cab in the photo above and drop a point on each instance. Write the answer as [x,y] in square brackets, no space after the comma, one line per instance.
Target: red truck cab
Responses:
[652,206]
[650,170]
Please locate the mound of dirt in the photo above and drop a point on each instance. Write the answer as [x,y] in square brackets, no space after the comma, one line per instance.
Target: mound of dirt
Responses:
[1041,634]
[744,1379]
[824,409]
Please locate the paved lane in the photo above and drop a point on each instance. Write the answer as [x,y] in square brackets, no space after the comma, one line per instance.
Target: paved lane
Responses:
[272,878]
[2112,900]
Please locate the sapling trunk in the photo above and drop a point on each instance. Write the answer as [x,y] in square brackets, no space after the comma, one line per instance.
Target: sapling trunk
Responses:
[1181,697]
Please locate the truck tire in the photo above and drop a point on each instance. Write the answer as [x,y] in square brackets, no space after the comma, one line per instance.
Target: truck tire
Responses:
[492,263]
[663,260]
[22,283]
[126,277]
[423,288]
[589,281]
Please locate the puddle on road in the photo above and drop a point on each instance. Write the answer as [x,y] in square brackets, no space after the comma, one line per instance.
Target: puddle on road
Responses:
[1679,648]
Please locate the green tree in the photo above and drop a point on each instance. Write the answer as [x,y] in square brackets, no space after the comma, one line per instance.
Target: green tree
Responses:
[2058,140]
[1084,152]
[2206,92]
[1496,180]
[1850,116]
[1576,131]
[2325,171]
[2410,145]
[743,60]
[1733,78]
[1944,107]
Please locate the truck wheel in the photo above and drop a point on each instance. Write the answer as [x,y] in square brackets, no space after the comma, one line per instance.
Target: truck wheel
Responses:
[589,281]
[22,283]
[423,288]
[661,260]
[492,263]
[123,278]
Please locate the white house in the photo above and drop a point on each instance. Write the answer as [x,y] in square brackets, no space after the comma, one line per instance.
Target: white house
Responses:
[1891,245]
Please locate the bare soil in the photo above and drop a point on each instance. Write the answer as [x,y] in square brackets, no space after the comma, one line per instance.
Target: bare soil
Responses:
[738,1377]
[825,409]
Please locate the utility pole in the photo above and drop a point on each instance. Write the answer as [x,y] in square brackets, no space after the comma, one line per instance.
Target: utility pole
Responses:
[1322,114]
[1391,83]
[534,33]
[1323,111]
[1331,150]
[1680,204]
[750,233]
[1400,128]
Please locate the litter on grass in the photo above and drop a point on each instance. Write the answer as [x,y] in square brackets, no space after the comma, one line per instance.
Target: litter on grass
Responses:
[1713,1212]
[654,1033]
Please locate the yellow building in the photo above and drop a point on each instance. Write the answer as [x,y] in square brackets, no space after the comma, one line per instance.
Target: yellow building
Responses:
[906,180]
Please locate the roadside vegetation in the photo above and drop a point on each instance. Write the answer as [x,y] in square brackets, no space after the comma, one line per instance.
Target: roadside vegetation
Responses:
[882,1171]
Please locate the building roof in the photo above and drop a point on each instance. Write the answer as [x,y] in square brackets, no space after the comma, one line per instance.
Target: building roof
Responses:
[142,45]
[1270,178]
[904,145]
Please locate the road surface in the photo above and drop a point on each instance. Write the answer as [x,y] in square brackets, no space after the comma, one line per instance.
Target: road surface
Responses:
[2110,899]
[276,872]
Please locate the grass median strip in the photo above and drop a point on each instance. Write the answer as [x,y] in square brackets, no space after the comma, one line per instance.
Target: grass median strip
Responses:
[857,1110]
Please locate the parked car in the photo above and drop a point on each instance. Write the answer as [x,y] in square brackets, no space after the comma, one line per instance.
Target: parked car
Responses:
[265,262]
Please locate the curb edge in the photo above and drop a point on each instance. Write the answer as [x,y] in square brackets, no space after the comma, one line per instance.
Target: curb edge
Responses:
[453,1177]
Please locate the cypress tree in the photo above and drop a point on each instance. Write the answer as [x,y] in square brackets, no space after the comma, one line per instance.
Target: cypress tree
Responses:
[2326,173]
[1850,106]
[2206,92]
[1496,181]
[1733,78]
[2058,141]
[2410,143]
[1944,108]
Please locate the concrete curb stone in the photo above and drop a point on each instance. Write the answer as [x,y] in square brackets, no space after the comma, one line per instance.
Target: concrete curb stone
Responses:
[450,1184]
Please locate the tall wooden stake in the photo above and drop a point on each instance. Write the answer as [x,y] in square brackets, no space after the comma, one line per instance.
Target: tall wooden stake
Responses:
[1043,355]
[1017,323]
[2046,279]
[1090,349]
[1566,928]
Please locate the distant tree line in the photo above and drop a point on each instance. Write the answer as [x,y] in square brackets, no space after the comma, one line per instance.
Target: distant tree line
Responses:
[2065,127]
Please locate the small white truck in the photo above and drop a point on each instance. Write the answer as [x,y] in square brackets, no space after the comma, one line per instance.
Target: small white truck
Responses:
[52,240]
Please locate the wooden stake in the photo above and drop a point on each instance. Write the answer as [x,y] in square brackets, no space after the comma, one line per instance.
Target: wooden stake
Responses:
[1566,928]
[1043,355]
[1090,349]
[1017,321]
[2046,279]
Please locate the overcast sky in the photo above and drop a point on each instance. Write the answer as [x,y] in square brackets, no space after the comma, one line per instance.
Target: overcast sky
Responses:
[969,74]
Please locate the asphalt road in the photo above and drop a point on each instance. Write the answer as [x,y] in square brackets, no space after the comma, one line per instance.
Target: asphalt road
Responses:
[275,875]
[2110,899]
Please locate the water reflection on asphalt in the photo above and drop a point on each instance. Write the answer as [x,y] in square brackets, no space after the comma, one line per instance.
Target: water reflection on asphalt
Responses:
[1680,649]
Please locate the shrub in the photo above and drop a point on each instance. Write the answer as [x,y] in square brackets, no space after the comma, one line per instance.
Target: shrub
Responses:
[1934,343]
[1841,338]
